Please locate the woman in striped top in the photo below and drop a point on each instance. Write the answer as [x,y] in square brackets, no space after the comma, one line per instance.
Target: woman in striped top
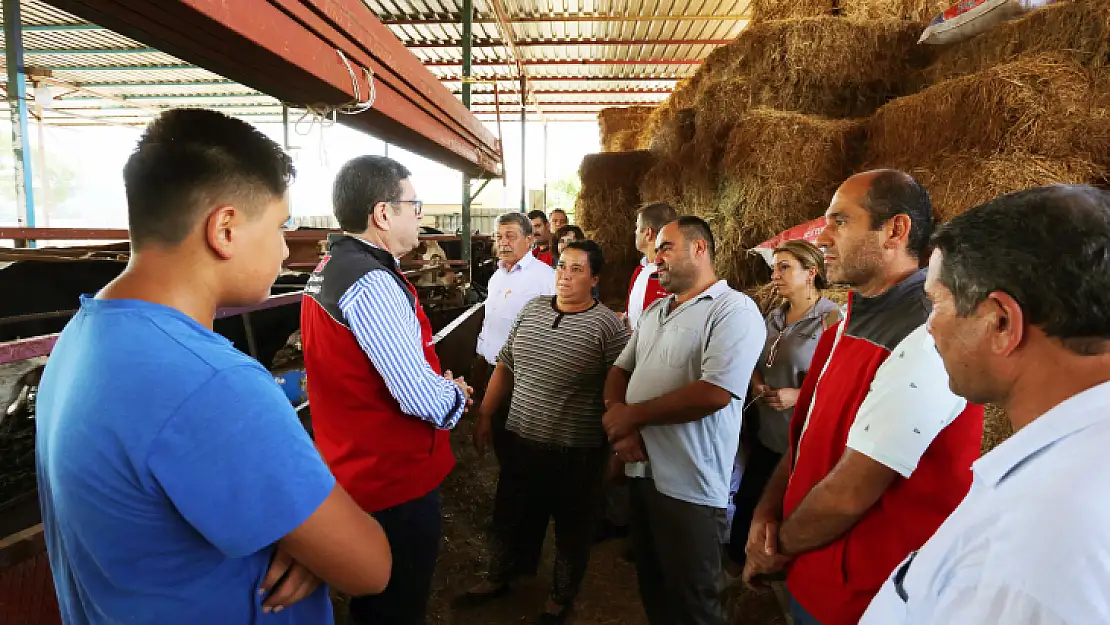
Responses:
[556,450]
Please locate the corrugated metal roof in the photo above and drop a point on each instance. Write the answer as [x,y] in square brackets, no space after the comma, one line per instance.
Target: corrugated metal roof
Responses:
[578,55]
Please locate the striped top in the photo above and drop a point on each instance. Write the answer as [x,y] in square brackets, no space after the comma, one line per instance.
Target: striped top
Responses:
[559,363]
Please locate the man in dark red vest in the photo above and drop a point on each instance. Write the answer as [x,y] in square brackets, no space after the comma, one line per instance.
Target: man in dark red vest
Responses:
[382,410]
[880,448]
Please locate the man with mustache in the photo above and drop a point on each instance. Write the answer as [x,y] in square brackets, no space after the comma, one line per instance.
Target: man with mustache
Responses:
[880,448]
[519,279]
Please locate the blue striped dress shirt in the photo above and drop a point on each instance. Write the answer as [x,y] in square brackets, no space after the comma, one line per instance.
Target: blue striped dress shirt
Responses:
[388,331]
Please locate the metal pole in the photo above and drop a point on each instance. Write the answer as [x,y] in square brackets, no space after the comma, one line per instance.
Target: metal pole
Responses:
[285,126]
[40,165]
[523,142]
[17,104]
[467,39]
[546,208]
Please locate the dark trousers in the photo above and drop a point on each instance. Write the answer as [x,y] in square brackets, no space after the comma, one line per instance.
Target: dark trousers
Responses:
[538,483]
[678,557]
[414,529]
[758,469]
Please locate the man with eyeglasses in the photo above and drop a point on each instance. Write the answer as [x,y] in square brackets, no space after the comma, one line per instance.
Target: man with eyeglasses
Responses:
[382,410]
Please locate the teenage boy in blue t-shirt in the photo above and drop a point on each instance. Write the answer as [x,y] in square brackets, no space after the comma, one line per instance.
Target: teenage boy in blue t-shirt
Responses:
[177,486]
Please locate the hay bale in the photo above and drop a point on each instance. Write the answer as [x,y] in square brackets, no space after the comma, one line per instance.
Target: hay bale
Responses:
[776,170]
[621,127]
[825,66]
[914,10]
[960,182]
[996,427]
[763,10]
[1043,106]
[1080,30]
[606,211]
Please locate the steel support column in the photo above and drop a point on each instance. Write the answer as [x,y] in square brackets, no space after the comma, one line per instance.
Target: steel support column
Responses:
[467,38]
[523,142]
[17,104]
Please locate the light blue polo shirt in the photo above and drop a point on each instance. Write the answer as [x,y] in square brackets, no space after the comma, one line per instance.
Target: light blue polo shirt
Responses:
[715,337]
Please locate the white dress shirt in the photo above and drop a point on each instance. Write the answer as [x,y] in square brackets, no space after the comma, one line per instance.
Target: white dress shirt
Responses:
[639,291]
[508,292]
[1030,545]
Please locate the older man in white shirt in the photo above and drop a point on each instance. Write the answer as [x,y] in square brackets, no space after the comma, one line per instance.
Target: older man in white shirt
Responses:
[519,279]
[1021,316]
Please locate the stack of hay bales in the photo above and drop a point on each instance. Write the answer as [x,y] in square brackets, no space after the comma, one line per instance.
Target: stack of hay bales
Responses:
[606,211]
[1022,105]
[622,127]
[759,138]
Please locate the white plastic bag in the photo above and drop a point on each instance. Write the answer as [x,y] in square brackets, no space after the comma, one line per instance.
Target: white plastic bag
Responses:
[968,18]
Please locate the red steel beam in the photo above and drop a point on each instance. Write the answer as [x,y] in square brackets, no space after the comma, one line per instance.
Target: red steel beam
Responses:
[289,52]
[64,234]
[532,62]
[575,78]
[456,18]
[582,92]
[22,349]
[493,43]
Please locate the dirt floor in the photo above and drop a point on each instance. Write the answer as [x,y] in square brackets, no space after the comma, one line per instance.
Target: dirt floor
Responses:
[609,595]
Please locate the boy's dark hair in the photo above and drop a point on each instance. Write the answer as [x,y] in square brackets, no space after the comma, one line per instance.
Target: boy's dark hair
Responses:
[191,159]
[362,182]
[538,214]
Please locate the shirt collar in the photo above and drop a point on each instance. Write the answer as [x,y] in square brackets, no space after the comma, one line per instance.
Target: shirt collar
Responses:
[521,264]
[396,261]
[915,280]
[822,307]
[1072,415]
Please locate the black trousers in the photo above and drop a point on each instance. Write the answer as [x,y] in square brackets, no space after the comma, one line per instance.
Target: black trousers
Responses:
[414,529]
[678,557]
[538,483]
[760,466]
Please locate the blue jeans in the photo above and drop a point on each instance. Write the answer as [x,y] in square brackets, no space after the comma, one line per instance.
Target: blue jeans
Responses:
[801,617]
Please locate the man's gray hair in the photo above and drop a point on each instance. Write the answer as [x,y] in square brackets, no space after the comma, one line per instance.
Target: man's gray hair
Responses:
[519,219]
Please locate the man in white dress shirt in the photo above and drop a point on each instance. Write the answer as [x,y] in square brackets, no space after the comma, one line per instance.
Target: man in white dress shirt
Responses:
[519,279]
[1021,316]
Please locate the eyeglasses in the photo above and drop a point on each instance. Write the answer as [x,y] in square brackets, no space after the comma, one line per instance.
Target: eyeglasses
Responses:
[775,348]
[417,205]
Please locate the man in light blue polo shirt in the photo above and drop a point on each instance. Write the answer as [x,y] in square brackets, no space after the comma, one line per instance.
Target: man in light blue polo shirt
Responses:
[1021,317]
[674,397]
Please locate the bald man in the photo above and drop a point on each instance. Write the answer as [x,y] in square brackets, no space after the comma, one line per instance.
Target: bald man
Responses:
[880,448]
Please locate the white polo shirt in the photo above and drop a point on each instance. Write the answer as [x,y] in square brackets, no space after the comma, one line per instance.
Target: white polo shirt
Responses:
[507,294]
[1030,545]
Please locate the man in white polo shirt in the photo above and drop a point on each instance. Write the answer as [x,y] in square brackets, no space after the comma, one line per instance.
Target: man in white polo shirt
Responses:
[674,397]
[519,279]
[1021,317]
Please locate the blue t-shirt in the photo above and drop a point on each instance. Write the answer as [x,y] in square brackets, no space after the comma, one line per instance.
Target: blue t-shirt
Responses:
[169,463]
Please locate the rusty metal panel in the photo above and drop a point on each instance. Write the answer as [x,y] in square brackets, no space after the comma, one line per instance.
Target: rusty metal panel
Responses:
[27,594]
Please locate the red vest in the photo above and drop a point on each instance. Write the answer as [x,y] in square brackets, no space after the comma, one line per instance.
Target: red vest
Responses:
[653,291]
[380,455]
[837,582]
[546,257]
